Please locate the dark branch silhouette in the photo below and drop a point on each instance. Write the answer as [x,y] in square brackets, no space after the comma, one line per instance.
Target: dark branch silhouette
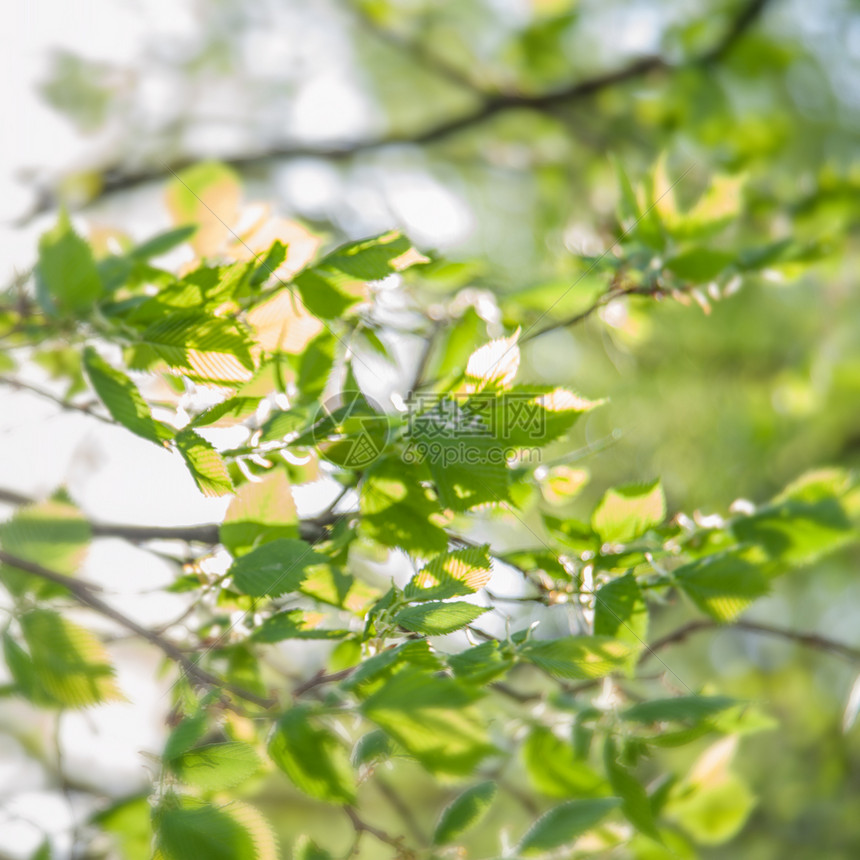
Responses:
[118,178]
[809,640]
[84,594]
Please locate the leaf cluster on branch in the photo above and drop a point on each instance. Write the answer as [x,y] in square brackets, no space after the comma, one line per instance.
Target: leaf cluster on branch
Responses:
[430,666]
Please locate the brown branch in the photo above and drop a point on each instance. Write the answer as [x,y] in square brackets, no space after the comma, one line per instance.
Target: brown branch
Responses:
[419,52]
[400,807]
[20,385]
[602,301]
[116,179]
[83,593]
[809,640]
[361,826]
[311,529]
[320,679]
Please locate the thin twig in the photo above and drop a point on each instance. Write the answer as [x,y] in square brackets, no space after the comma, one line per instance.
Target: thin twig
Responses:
[361,826]
[405,813]
[809,640]
[20,385]
[84,595]
[321,679]
[310,529]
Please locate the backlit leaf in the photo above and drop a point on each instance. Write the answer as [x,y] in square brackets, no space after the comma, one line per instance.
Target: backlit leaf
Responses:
[312,757]
[464,812]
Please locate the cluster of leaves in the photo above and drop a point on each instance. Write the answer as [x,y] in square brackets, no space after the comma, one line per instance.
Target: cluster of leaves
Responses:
[272,333]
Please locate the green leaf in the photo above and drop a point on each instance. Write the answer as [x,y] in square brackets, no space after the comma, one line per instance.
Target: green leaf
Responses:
[53,534]
[576,657]
[437,619]
[554,769]
[722,585]
[804,524]
[229,412]
[268,265]
[700,264]
[532,416]
[312,757]
[67,661]
[373,746]
[210,348]
[306,849]
[397,511]
[679,709]
[327,295]
[130,824]
[565,823]
[163,242]
[274,568]
[187,829]
[184,736]
[713,812]
[451,574]
[43,852]
[481,664]
[432,719]
[464,812]
[20,667]
[315,365]
[369,259]
[291,625]
[66,269]
[207,194]
[625,513]
[122,399]
[217,767]
[205,464]
[635,803]
[467,463]
[260,512]
[620,612]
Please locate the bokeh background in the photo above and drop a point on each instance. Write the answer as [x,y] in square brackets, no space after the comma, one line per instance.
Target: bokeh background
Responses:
[354,117]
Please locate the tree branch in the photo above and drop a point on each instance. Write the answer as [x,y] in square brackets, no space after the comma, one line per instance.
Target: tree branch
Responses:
[809,640]
[19,385]
[117,178]
[361,826]
[84,595]
[311,529]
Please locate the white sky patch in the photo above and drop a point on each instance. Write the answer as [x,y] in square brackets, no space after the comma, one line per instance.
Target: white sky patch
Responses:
[330,107]
[431,213]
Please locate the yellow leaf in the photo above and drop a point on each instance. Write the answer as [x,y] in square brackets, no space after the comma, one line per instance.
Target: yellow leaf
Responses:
[283,324]
[208,195]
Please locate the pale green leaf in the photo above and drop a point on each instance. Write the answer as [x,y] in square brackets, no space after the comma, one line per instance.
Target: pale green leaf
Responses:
[68,662]
[187,829]
[260,512]
[218,766]
[577,657]
[205,464]
[122,399]
[464,812]
[312,757]
[554,769]
[437,619]
[722,585]
[625,513]
[66,268]
[274,568]
[564,824]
